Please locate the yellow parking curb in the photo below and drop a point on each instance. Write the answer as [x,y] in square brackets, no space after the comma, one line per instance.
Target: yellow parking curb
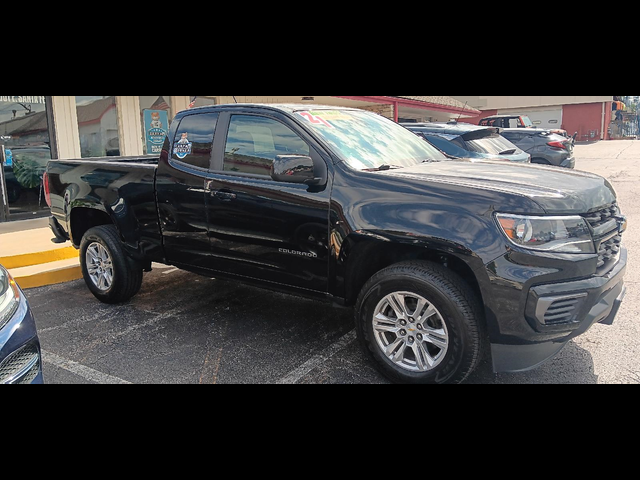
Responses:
[52,277]
[38,258]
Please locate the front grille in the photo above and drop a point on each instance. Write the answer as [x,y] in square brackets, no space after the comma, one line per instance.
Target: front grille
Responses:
[608,251]
[604,224]
[12,368]
[601,217]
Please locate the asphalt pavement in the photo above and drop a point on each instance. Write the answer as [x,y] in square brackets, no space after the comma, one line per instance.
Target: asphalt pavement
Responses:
[187,329]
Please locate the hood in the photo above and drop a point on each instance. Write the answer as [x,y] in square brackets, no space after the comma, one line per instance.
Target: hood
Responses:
[556,190]
[518,157]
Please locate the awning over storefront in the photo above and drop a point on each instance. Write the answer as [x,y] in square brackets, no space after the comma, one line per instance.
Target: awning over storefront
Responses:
[411,108]
[418,106]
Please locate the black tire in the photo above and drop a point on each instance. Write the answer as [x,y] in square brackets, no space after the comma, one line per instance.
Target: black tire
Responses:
[127,273]
[457,303]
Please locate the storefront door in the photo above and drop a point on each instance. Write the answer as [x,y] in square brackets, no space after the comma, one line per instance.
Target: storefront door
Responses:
[24,133]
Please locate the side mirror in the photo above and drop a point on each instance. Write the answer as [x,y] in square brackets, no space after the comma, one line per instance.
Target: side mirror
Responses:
[294,169]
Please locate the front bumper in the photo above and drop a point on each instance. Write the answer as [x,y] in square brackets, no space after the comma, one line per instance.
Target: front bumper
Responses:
[550,313]
[20,355]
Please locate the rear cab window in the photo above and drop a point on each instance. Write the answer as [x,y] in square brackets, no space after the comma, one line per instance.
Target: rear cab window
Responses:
[193,142]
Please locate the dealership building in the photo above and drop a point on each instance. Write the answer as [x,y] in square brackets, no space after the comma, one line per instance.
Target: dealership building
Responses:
[34,129]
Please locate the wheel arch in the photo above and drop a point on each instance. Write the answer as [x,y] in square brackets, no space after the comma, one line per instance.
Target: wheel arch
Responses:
[366,258]
[82,219]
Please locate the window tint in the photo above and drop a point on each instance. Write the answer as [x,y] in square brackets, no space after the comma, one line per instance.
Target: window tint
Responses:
[446,146]
[254,142]
[512,136]
[194,139]
[494,144]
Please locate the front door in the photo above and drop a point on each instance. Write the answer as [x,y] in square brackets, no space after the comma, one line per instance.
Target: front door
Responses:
[260,228]
[24,133]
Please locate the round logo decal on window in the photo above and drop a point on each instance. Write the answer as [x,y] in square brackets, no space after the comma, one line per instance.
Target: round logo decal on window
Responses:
[183,147]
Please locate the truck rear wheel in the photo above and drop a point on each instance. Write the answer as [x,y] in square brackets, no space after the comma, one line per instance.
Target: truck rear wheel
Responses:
[109,273]
[420,323]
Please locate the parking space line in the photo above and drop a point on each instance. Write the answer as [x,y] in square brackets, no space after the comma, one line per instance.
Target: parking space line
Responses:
[296,375]
[167,272]
[80,370]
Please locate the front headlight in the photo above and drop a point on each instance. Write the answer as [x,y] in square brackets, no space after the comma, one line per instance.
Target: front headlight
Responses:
[548,234]
[9,297]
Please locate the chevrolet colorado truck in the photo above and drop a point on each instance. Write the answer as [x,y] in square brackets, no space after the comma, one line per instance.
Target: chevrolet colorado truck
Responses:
[442,259]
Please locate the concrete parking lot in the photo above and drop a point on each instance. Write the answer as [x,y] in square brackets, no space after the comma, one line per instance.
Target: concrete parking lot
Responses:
[183,328]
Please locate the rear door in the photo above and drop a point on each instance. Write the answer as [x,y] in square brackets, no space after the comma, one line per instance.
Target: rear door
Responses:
[180,186]
[259,228]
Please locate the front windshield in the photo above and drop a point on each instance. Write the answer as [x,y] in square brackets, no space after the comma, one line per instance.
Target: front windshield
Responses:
[527,122]
[367,141]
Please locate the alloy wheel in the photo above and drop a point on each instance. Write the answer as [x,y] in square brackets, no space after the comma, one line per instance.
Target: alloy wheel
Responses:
[99,266]
[410,331]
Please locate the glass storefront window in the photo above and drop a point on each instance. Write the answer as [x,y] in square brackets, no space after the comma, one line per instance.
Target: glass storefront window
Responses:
[98,126]
[156,115]
[24,132]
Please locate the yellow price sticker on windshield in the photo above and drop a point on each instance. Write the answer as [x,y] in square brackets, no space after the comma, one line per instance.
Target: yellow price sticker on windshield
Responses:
[330,115]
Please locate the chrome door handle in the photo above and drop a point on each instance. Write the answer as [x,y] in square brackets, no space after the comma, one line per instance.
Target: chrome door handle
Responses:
[225,196]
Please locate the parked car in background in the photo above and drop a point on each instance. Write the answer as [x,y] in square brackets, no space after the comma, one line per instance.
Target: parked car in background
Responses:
[463,140]
[20,357]
[545,147]
[516,121]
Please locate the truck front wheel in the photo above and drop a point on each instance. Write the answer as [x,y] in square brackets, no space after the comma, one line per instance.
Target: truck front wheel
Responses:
[109,273]
[420,323]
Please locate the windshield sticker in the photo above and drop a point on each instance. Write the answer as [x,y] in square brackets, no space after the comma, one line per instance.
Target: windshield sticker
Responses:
[183,147]
[315,119]
[330,114]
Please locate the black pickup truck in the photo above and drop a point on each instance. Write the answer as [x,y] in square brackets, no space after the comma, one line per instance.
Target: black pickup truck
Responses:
[442,259]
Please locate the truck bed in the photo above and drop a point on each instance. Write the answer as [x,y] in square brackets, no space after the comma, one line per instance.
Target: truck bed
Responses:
[108,190]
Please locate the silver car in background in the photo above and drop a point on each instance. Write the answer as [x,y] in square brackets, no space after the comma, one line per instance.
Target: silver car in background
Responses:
[463,140]
[544,146]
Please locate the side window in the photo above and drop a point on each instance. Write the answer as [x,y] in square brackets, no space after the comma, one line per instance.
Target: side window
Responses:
[254,143]
[514,123]
[194,139]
